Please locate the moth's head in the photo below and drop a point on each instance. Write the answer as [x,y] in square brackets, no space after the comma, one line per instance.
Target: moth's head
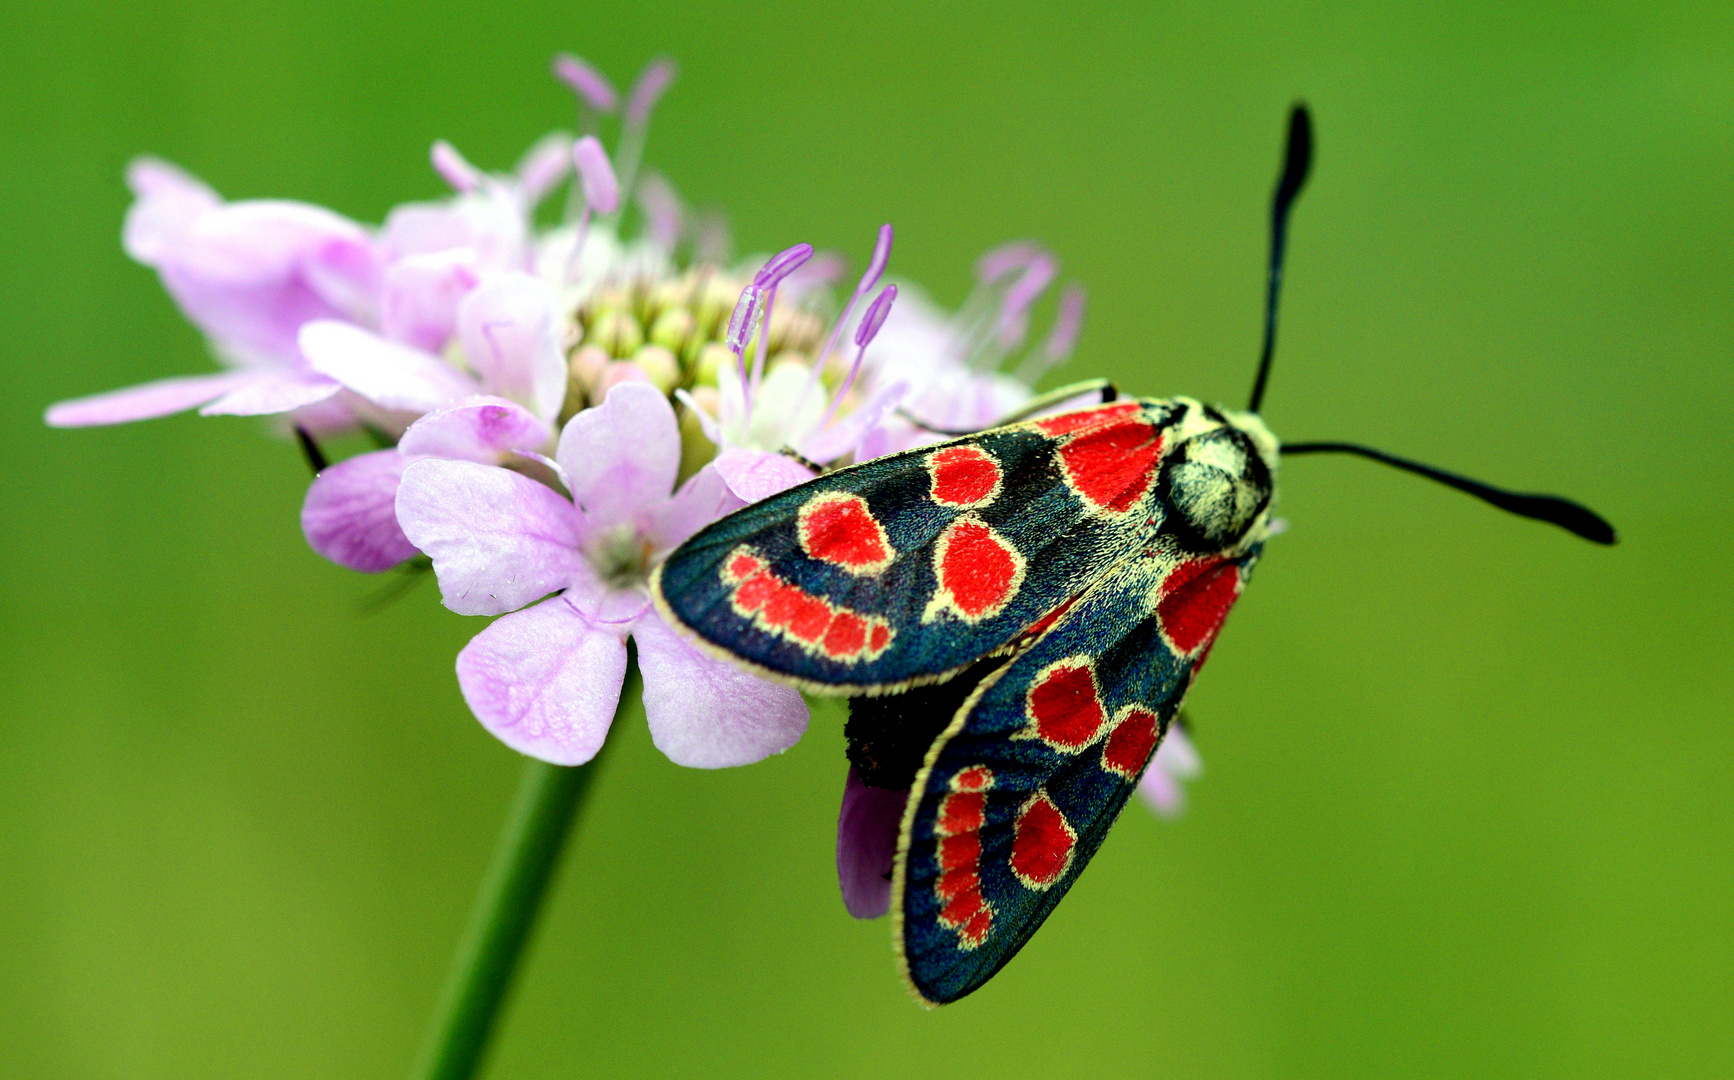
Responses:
[1219,475]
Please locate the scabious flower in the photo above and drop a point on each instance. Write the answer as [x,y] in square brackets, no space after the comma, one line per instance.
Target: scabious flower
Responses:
[520,377]
[546,678]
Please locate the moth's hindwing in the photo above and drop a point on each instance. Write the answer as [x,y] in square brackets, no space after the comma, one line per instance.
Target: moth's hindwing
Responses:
[910,567]
[1020,790]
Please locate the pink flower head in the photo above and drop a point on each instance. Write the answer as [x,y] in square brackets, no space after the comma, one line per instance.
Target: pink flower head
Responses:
[545,678]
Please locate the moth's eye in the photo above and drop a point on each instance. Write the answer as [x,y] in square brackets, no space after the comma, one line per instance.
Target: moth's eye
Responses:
[1218,484]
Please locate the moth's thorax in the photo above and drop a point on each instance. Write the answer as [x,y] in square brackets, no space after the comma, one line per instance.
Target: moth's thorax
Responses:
[1218,474]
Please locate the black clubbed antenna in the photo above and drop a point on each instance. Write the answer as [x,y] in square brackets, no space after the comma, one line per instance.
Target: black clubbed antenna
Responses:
[1297,162]
[1568,515]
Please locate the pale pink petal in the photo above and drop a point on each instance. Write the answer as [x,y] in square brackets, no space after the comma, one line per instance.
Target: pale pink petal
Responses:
[479,429]
[603,604]
[707,713]
[545,682]
[333,417]
[489,221]
[167,202]
[704,498]
[758,474]
[390,375]
[273,391]
[350,514]
[146,401]
[498,540]
[867,827]
[512,340]
[250,273]
[347,274]
[419,305]
[846,434]
[623,455]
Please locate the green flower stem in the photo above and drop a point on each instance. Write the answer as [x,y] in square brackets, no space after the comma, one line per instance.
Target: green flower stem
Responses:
[547,803]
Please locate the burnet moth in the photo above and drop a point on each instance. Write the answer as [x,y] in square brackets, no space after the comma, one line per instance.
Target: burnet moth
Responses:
[1016,616]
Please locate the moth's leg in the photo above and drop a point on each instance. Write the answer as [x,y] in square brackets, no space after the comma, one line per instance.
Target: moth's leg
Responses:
[805,462]
[1033,406]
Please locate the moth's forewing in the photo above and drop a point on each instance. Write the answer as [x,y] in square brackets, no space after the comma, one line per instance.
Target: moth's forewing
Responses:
[911,567]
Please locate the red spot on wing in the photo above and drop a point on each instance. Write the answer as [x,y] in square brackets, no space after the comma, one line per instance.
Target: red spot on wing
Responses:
[878,637]
[972,778]
[1195,600]
[847,635]
[957,828]
[1112,466]
[1083,418]
[841,530]
[741,566]
[797,611]
[979,572]
[1063,706]
[1131,743]
[1042,843]
[962,852]
[963,814]
[785,609]
[963,476]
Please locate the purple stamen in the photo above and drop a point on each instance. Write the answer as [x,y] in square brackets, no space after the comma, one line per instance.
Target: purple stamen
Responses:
[543,167]
[876,315]
[741,322]
[649,87]
[1006,258]
[452,167]
[1014,317]
[663,212]
[601,190]
[739,333]
[764,339]
[782,264]
[1066,325]
[876,265]
[589,83]
[870,278]
[877,312]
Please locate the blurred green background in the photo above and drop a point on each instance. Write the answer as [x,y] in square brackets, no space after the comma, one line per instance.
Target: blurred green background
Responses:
[1467,809]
